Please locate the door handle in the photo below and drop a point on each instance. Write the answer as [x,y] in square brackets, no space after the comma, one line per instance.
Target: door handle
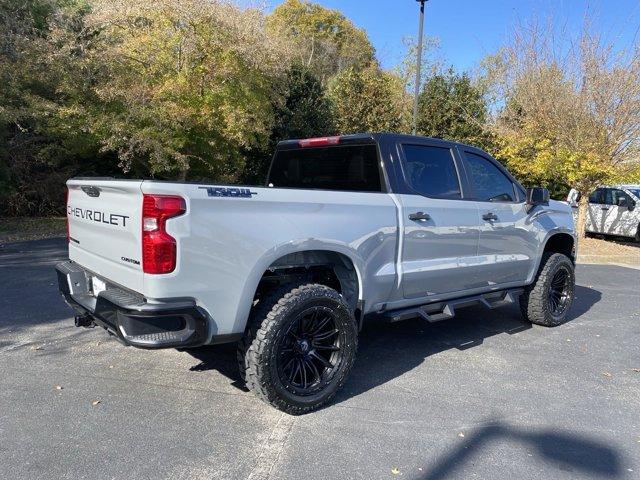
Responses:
[604,208]
[419,216]
[489,216]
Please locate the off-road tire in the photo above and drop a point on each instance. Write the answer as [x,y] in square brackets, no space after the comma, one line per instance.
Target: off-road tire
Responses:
[534,302]
[637,237]
[270,320]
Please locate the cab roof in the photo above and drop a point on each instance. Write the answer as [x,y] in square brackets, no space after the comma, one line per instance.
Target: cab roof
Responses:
[360,138]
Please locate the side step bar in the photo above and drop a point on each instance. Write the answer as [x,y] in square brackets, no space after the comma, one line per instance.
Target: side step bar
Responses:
[436,312]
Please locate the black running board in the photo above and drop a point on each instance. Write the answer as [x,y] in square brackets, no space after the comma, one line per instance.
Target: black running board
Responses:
[436,312]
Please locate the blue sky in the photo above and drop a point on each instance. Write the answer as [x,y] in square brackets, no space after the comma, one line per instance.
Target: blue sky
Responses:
[470,29]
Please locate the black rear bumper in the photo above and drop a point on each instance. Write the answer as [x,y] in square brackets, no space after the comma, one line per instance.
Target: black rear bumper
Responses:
[129,316]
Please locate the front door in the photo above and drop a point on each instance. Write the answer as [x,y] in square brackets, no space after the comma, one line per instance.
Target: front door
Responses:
[440,234]
[507,246]
[619,219]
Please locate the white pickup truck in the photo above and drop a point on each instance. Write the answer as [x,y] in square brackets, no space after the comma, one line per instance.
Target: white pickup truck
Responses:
[346,227]
[611,210]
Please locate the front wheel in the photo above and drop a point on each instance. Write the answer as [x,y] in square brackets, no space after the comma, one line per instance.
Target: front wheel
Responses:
[299,347]
[548,299]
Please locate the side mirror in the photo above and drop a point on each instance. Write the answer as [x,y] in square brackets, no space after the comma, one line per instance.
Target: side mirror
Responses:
[537,196]
[622,202]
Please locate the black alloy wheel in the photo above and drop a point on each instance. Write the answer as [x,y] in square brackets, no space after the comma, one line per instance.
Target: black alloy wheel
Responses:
[560,291]
[299,347]
[310,352]
[547,301]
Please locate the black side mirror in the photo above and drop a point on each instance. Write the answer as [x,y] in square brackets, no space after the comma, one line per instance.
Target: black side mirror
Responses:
[537,196]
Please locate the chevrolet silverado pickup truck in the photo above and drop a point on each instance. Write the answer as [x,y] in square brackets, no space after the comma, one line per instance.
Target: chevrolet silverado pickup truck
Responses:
[345,228]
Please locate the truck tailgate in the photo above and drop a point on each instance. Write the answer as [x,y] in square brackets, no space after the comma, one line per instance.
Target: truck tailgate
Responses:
[105,229]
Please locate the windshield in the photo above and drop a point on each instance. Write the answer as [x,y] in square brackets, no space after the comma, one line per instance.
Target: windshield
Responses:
[635,191]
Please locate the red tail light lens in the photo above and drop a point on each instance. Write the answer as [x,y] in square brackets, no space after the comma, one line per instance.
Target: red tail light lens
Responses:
[158,247]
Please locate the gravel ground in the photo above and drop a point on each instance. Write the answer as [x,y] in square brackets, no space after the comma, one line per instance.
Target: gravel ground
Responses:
[609,250]
[484,396]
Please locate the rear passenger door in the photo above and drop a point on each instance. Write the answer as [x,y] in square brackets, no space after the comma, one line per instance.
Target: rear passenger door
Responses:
[440,227]
[507,246]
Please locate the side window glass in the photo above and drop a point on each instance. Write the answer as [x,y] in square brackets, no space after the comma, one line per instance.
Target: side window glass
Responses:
[608,196]
[596,197]
[489,183]
[617,195]
[431,171]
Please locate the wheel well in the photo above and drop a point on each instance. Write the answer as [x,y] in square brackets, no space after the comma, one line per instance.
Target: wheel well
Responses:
[333,269]
[561,243]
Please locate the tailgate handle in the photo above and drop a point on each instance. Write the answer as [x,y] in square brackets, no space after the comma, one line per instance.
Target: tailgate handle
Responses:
[91,190]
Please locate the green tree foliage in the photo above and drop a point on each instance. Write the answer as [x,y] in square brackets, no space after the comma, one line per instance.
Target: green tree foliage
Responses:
[303,111]
[369,100]
[186,86]
[567,116]
[37,152]
[306,110]
[451,107]
[323,39]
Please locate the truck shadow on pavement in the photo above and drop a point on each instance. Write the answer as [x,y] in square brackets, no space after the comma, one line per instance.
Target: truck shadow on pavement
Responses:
[387,351]
[567,452]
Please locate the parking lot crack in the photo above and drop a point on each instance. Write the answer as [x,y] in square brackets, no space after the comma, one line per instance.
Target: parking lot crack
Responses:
[272,448]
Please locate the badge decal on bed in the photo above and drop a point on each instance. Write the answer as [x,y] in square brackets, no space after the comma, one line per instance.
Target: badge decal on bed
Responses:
[229,192]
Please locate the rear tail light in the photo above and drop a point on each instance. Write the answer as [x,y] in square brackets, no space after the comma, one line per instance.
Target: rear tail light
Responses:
[158,247]
[66,213]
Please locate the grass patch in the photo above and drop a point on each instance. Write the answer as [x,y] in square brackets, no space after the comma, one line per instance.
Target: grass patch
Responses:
[31,228]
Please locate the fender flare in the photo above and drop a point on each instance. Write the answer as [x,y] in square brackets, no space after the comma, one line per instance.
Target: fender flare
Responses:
[277,252]
[543,245]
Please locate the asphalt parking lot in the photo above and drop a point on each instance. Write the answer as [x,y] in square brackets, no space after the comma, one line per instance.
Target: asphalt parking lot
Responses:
[484,395]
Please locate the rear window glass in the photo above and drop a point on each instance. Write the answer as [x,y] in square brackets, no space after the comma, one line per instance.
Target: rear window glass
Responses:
[348,168]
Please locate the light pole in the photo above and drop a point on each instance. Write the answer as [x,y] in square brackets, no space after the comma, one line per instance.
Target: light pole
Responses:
[419,65]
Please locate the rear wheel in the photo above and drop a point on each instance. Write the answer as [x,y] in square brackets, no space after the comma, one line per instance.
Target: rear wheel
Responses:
[548,299]
[299,347]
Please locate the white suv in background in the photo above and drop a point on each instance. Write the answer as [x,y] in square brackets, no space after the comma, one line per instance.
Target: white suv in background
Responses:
[613,210]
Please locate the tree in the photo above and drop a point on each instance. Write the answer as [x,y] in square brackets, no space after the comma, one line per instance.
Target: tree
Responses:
[303,111]
[569,115]
[451,107]
[324,40]
[183,87]
[408,66]
[369,100]
[37,151]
